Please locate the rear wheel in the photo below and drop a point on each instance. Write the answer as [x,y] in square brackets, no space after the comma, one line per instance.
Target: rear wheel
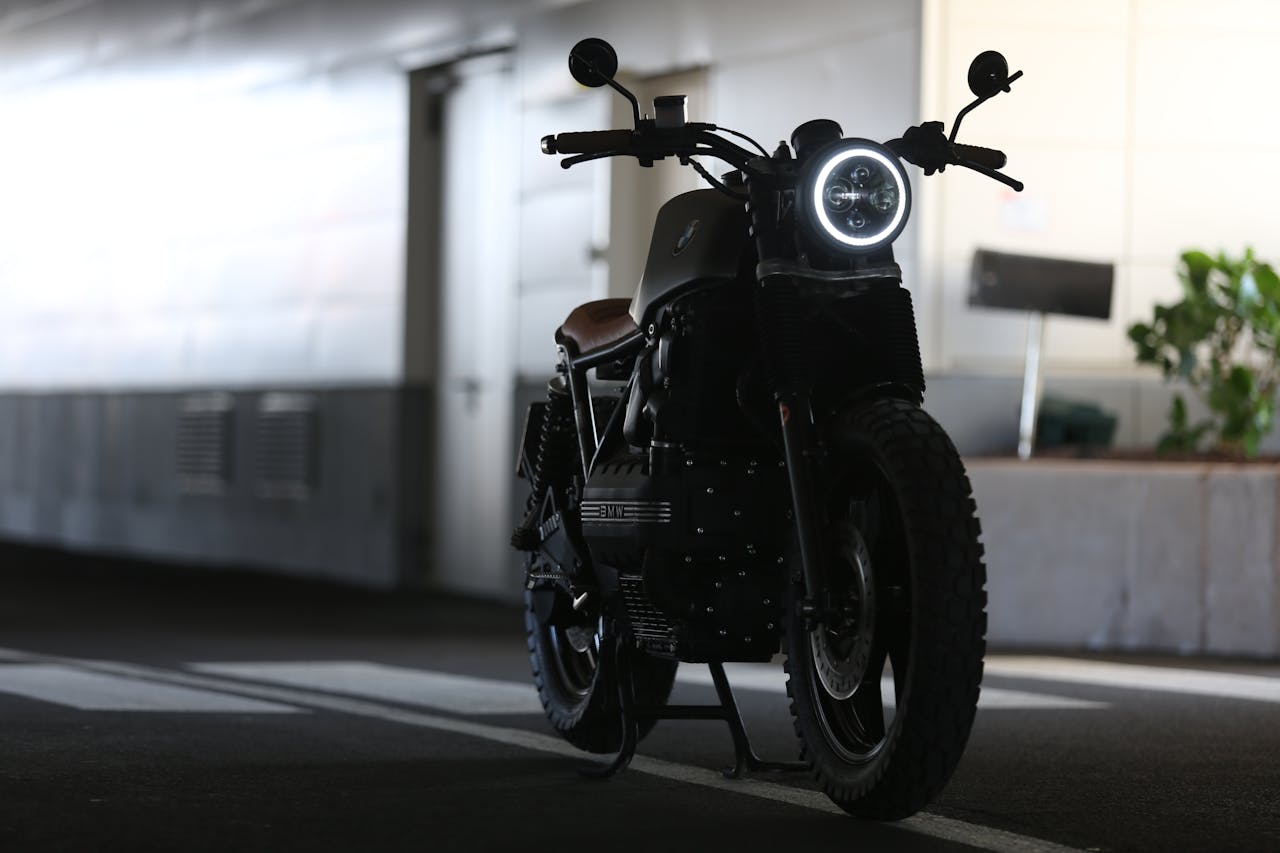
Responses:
[571,655]
[905,568]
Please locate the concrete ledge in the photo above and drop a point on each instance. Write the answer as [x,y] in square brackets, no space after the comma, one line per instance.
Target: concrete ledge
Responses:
[101,473]
[1179,557]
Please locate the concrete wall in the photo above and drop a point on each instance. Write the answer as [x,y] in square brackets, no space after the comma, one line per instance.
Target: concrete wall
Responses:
[310,482]
[1123,103]
[216,192]
[980,412]
[199,193]
[212,197]
[767,69]
[1172,558]
[1126,107]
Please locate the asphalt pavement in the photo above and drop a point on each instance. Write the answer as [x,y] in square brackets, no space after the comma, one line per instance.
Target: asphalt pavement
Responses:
[148,708]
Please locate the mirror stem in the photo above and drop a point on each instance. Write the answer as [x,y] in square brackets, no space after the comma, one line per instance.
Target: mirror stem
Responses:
[955,127]
[620,89]
[626,93]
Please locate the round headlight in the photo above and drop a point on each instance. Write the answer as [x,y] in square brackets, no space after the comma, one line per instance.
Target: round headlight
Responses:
[858,195]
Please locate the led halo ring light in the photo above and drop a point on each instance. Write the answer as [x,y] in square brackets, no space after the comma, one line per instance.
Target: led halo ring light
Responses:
[858,195]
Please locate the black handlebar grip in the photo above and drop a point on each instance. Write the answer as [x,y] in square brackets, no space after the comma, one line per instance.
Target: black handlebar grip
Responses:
[989,157]
[589,142]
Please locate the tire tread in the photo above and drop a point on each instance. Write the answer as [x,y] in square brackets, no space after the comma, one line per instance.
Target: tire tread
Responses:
[948,625]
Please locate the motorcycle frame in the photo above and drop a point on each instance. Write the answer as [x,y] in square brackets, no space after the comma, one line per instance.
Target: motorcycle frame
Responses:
[575,367]
[801,448]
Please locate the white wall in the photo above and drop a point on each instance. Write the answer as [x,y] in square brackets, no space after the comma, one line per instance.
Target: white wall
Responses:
[475,391]
[214,193]
[769,67]
[209,193]
[1141,128]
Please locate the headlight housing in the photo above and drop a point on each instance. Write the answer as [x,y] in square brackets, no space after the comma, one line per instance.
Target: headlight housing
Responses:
[855,196]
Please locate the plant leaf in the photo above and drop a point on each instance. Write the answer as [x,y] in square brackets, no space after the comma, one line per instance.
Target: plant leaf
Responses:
[1195,268]
[1223,339]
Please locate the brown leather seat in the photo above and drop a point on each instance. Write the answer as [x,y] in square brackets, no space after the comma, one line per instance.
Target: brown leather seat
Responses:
[597,324]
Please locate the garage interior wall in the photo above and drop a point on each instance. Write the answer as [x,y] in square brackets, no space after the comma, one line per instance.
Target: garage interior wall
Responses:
[1142,129]
[208,350]
[203,304]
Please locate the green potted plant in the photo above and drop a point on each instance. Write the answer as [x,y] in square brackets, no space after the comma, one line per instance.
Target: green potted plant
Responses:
[1223,340]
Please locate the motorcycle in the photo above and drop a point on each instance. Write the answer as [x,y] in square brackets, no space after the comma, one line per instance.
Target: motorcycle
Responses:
[764,478]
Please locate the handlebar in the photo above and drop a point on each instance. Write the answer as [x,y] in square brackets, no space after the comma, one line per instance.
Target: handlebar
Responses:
[925,145]
[989,157]
[929,148]
[648,143]
[587,142]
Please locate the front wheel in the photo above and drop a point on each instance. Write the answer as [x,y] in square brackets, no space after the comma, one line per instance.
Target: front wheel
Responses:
[906,574]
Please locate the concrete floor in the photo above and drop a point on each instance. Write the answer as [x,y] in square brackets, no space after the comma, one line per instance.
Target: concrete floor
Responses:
[154,709]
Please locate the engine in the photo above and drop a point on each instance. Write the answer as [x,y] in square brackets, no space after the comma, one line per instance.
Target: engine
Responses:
[693,547]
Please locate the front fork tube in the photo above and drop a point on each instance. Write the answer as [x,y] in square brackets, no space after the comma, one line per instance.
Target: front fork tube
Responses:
[799,437]
[801,451]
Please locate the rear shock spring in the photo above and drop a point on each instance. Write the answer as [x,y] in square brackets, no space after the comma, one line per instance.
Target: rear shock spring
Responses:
[552,464]
[555,441]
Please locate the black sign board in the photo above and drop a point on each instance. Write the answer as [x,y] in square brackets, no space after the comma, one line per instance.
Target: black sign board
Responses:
[1041,285]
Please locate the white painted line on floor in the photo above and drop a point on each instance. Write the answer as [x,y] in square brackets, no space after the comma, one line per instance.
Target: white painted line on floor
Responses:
[1000,699]
[1196,682]
[94,691]
[457,694]
[769,678]
[934,826]
[460,694]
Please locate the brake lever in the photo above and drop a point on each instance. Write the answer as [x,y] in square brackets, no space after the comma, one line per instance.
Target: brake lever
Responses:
[570,162]
[990,173]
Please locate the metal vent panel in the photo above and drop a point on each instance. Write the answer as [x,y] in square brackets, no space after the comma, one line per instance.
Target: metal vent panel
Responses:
[205,430]
[286,446]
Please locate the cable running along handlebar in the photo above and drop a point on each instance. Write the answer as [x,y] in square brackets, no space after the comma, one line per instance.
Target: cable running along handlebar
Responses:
[648,144]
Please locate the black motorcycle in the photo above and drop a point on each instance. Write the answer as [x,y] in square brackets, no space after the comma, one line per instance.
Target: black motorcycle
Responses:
[751,469]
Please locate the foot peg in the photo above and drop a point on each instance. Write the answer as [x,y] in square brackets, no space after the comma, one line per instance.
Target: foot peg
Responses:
[524,538]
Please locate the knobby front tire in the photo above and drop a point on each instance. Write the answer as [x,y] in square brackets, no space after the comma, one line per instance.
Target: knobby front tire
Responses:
[899,487]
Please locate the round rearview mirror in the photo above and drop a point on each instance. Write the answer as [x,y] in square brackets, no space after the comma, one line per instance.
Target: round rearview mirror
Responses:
[988,73]
[593,62]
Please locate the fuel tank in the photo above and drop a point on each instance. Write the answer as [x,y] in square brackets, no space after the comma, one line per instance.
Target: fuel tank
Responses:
[700,237]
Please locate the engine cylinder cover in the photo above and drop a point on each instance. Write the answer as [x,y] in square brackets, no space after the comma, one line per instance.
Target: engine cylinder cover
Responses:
[699,544]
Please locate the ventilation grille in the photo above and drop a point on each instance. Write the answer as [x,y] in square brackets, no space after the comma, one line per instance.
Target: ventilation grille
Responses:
[205,429]
[286,442]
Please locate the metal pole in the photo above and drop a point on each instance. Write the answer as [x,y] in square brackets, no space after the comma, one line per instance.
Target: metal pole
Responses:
[1031,386]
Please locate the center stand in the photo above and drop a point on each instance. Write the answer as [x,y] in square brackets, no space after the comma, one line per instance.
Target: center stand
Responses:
[745,758]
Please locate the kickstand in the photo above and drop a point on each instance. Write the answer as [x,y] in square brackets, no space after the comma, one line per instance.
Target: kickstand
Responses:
[630,714]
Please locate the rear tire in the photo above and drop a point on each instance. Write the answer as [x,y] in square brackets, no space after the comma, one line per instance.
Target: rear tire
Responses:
[576,676]
[905,550]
